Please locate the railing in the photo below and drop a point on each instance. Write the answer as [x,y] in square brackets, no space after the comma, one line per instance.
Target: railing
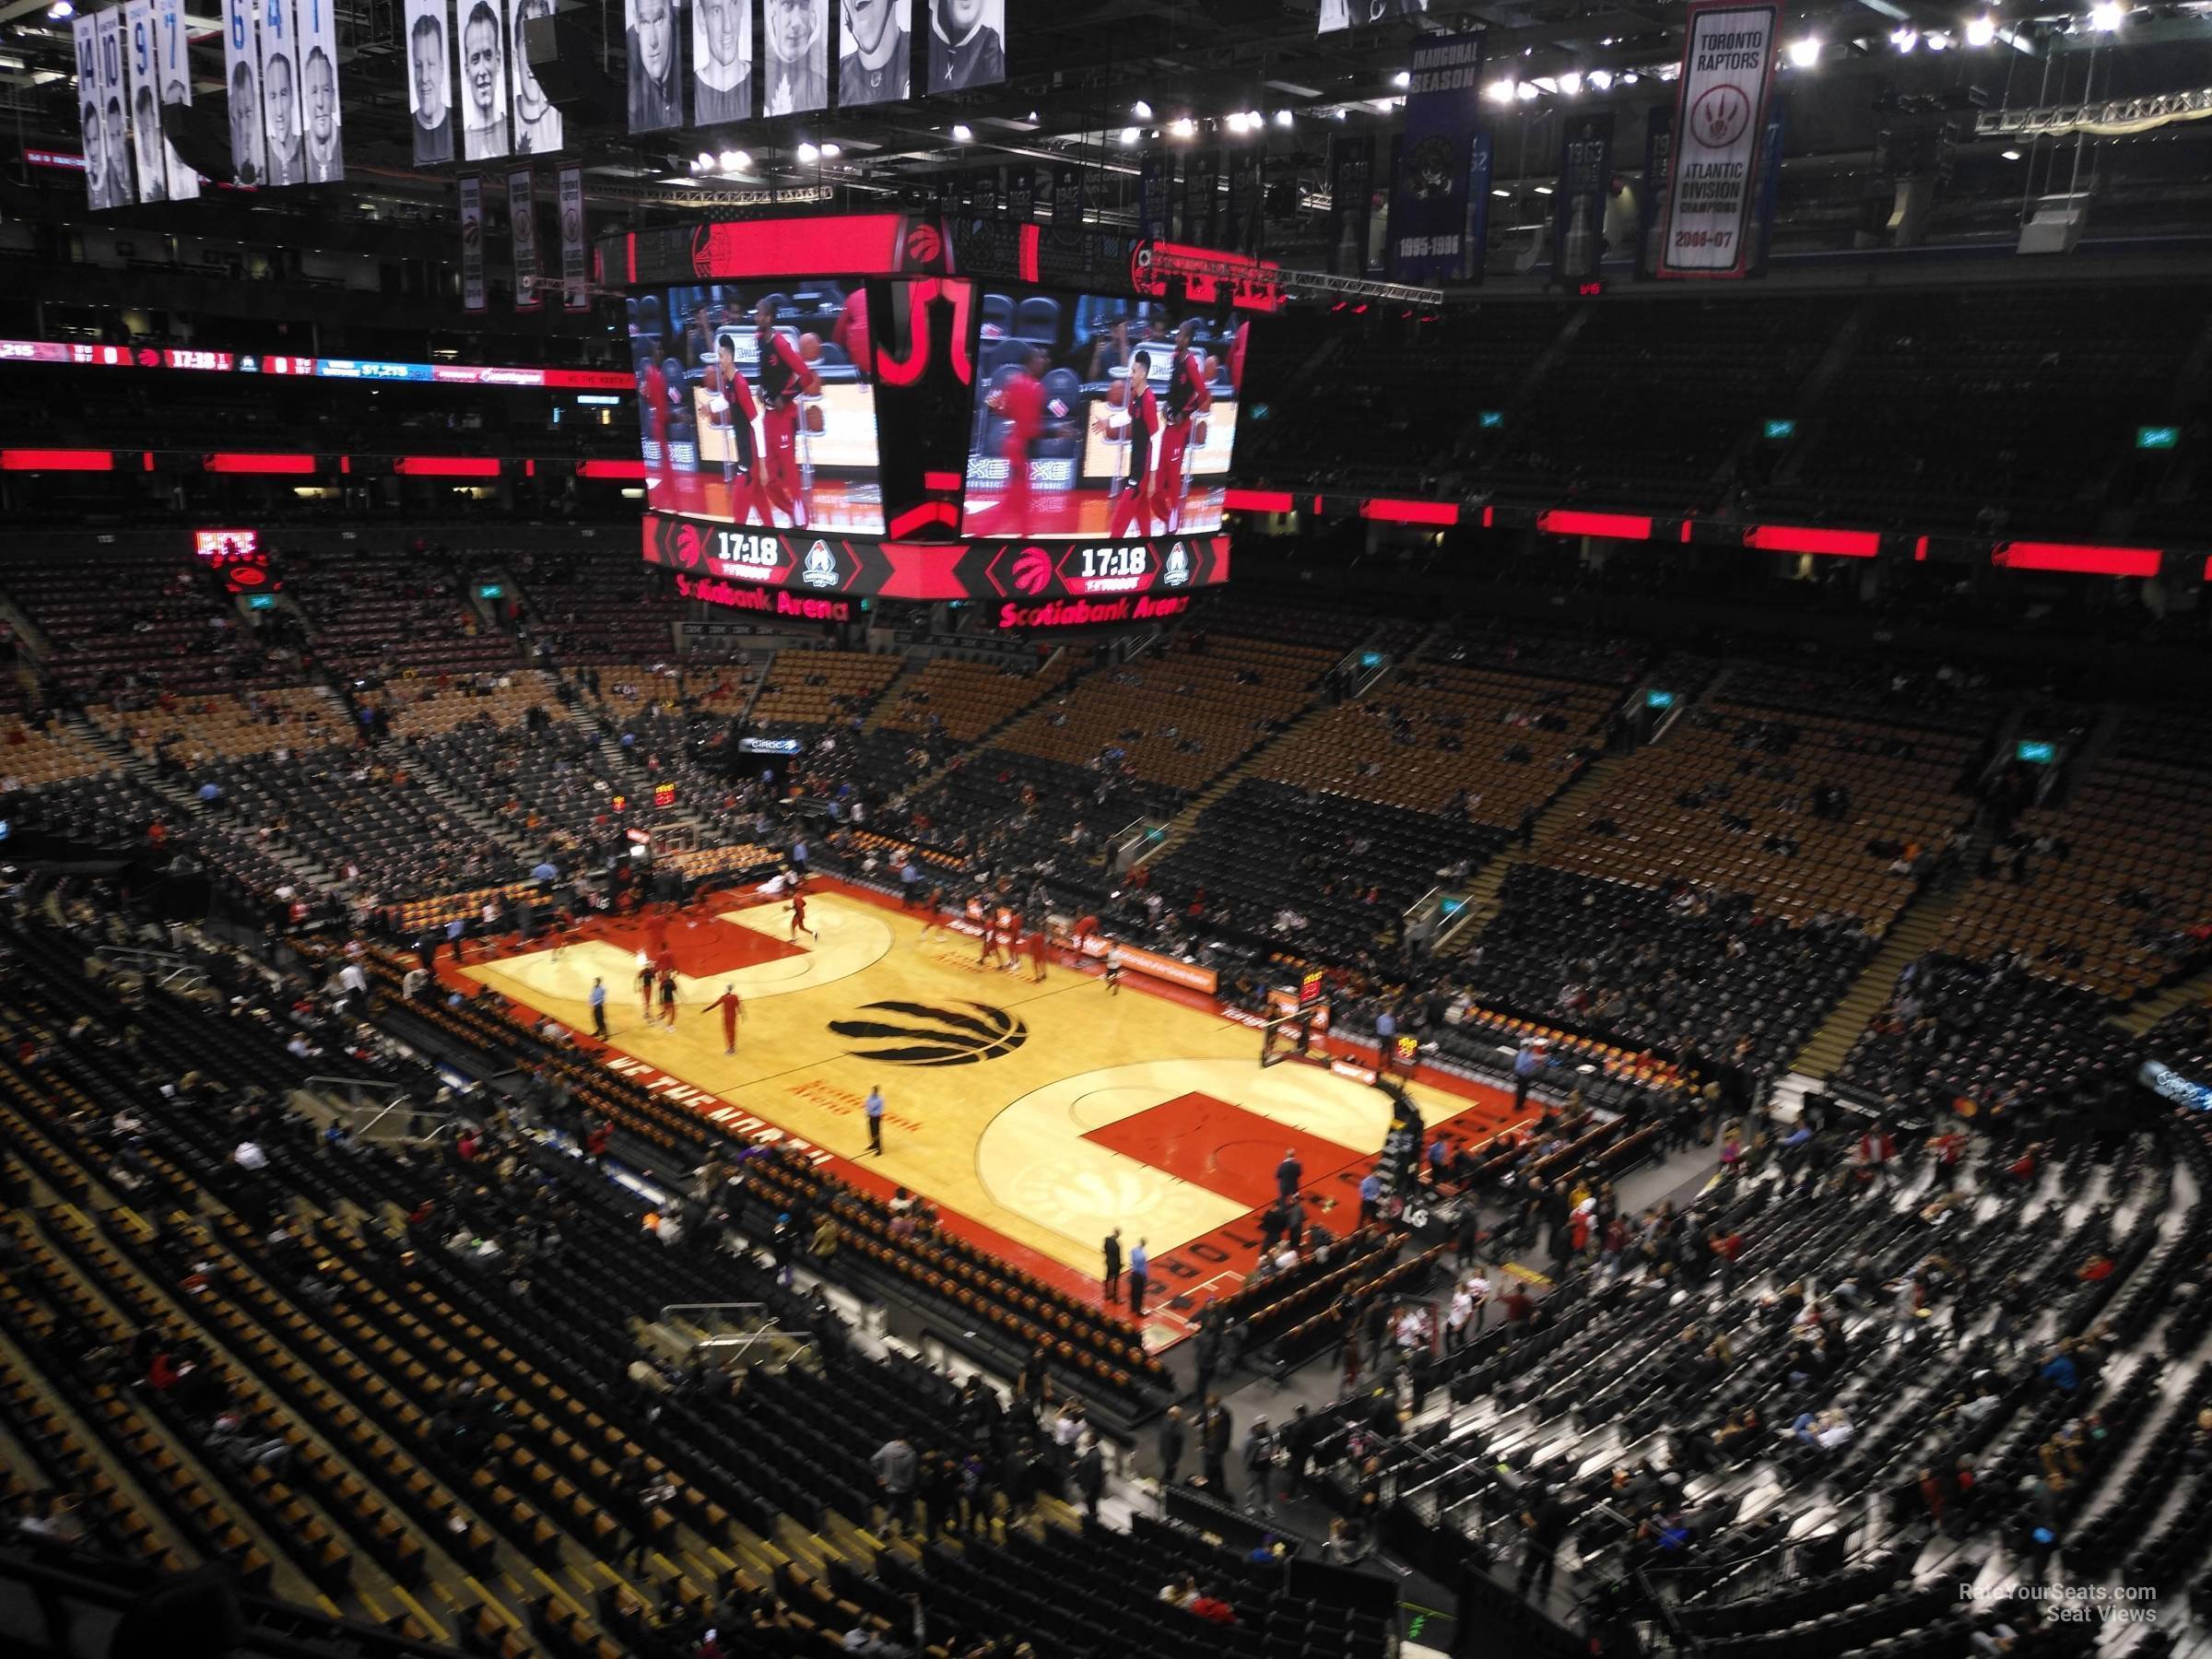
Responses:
[367,1103]
[171,973]
[735,1331]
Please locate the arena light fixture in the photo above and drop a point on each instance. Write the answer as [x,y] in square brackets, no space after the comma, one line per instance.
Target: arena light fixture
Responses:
[1543,190]
[1600,79]
[1527,91]
[1803,54]
[1981,32]
[700,162]
[734,160]
[830,152]
[2107,15]
[808,153]
[60,11]
[962,133]
[1904,40]
[2008,155]
[1402,79]
[1236,121]
[1183,127]
[1285,118]
[1938,42]
[1130,135]
[1570,83]
[1499,91]
[1141,109]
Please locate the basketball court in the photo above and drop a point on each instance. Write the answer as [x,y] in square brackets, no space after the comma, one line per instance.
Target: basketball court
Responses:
[1035,1116]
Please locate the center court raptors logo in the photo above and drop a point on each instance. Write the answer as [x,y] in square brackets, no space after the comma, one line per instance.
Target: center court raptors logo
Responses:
[1720,116]
[1033,570]
[923,1035]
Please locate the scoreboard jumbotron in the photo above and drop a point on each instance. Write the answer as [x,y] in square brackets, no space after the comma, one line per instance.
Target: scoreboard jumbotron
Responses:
[887,406]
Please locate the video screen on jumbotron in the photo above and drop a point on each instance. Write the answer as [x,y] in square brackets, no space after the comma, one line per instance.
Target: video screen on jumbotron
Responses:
[781,437]
[1097,415]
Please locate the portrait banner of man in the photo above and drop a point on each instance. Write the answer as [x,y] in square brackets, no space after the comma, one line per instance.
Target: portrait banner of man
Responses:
[241,74]
[280,99]
[798,56]
[657,70]
[967,44]
[722,62]
[538,130]
[86,35]
[877,49]
[483,37]
[319,81]
[114,111]
[429,82]
[142,63]
[172,57]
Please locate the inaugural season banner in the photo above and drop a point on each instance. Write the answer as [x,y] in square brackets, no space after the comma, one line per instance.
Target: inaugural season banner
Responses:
[1720,112]
[472,244]
[574,294]
[1428,200]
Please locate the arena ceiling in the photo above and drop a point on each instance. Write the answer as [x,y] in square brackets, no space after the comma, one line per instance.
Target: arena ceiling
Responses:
[1103,82]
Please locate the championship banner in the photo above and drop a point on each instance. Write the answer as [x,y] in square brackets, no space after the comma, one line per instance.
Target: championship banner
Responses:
[1067,196]
[241,74]
[172,71]
[574,294]
[1155,178]
[472,244]
[1480,159]
[1769,185]
[483,39]
[1351,202]
[140,72]
[1720,112]
[115,114]
[1658,177]
[1429,196]
[287,148]
[522,220]
[1579,203]
[319,84]
[983,192]
[85,32]
[429,82]
[1021,191]
[1246,214]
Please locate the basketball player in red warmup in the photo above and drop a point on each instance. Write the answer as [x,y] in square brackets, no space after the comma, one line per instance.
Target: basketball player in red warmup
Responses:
[1037,956]
[798,918]
[990,933]
[1021,404]
[1188,398]
[731,1008]
[1132,508]
[731,407]
[784,379]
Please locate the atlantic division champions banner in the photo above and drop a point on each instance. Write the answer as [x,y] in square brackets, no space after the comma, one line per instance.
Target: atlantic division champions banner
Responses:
[1720,112]
[1429,202]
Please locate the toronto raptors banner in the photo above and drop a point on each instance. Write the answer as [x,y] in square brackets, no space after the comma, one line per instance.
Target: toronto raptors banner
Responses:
[472,244]
[1155,178]
[573,288]
[1658,174]
[522,220]
[1720,112]
[1351,202]
[1021,191]
[173,59]
[86,34]
[1579,203]
[983,192]
[1428,198]
[140,69]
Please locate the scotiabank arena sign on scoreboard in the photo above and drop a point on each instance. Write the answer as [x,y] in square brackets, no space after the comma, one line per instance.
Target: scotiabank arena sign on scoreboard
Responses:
[744,568]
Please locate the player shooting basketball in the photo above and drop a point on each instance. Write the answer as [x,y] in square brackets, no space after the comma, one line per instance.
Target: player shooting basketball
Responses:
[1189,397]
[730,407]
[1132,508]
[785,378]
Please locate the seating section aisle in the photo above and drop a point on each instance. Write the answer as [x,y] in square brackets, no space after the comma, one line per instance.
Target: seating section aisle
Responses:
[386,612]
[151,620]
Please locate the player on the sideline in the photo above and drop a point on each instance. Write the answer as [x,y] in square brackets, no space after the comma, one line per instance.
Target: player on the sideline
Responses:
[1037,945]
[990,938]
[645,978]
[669,996]
[1113,970]
[933,912]
[799,916]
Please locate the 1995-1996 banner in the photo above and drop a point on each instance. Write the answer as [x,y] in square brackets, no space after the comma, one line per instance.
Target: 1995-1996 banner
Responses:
[1727,74]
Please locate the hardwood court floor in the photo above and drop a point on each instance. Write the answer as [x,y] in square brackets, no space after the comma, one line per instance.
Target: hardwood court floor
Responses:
[1035,1116]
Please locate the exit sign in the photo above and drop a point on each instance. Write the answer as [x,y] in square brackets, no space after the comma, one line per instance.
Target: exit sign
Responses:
[1780,431]
[2157,438]
[1492,419]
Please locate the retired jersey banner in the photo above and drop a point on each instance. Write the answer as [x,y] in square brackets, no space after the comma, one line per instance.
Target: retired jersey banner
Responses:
[86,34]
[1770,186]
[1579,203]
[319,88]
[242,73]
[574,288]
[472,244]
[1351,202]
[172,72]
[1428,197]
[522,221]
[139,74]
[287,150]
[114,110]
[1720,113]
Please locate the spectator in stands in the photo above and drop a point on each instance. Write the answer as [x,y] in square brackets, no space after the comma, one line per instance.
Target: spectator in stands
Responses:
[897,1469]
